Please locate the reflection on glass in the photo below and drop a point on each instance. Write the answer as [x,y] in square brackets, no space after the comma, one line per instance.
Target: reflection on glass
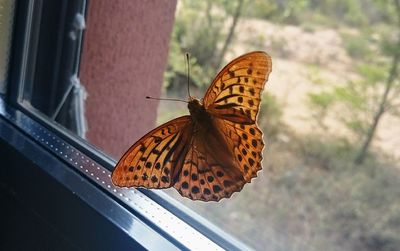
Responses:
[49,36]
[330,116]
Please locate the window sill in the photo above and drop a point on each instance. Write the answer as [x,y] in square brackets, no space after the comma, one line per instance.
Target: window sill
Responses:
[74,193]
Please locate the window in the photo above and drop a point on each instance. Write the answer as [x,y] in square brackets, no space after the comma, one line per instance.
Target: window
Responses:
[76,79]
[46,113]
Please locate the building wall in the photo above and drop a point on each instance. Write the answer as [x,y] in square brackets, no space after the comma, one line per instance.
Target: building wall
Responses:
[124,56]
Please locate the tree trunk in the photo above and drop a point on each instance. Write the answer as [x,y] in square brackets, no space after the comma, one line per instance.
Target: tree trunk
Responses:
[382,106]
[230,34]
[378,115]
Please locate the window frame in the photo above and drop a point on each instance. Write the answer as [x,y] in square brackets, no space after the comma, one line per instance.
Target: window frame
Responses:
[17,114]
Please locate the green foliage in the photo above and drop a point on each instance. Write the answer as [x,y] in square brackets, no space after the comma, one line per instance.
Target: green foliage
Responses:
[351,103]
[356,100]
[289,11]
[292,11]
[372,74]
[354,11]
[356,125]
[359,13]
[177,67]
[385,11]
[321,100]
[262,9]
[389,47]
[358,46]
[350,95]
[198,29]
[359,102]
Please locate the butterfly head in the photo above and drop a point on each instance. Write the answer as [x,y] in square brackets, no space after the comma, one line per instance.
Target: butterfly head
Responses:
[194,105]
[197,110]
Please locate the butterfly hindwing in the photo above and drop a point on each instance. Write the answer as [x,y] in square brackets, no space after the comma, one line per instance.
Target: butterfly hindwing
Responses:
[235,94]
[153,160]
[246,143]
[204,176]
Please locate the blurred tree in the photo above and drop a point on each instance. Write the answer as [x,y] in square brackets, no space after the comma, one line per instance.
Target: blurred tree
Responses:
[229,37]
[365,101]
[197,30]
[391,91]
[200,30]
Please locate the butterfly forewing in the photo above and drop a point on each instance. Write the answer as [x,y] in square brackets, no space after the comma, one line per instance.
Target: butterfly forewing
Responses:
[235,93]
[152,161]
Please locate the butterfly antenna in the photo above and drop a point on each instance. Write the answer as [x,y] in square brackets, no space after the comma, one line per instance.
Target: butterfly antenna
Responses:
[168,99]
[188,73]
[188,77]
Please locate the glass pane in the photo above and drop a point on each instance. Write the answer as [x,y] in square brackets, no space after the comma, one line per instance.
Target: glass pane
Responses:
[330,178]
[91,65]
[124,55]
[329,112]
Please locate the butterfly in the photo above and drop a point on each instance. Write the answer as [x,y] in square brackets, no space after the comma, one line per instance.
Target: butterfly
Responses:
[214,151]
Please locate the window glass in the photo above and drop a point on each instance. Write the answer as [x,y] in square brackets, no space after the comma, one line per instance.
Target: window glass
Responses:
[91,64]
[329,113]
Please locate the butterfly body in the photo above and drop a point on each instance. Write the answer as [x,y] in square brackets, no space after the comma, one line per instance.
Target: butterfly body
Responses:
[200,117]
[214,151]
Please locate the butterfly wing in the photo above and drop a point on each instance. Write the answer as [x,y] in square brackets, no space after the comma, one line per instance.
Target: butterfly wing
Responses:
[210,162]
[155,159]
[214,169]
[235,94]
[227,154]
[246,144]
[204,176]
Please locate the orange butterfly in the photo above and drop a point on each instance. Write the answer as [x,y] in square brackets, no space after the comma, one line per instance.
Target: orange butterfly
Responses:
[214,151]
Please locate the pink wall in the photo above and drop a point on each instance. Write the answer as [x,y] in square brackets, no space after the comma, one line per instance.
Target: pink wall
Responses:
[124,56]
